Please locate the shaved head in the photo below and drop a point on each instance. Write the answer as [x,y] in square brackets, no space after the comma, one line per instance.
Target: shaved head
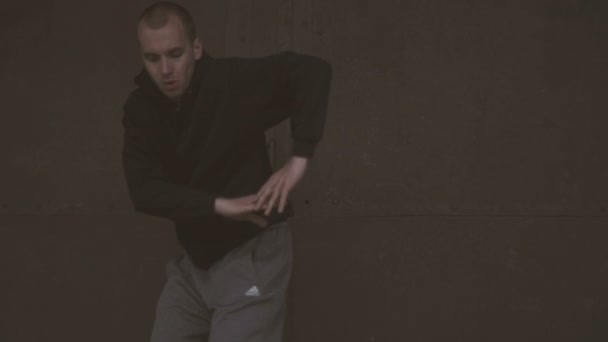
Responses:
[157,16]
[169,47]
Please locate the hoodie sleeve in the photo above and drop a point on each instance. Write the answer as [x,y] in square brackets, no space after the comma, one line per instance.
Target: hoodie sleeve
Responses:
[149,188]
[301,82]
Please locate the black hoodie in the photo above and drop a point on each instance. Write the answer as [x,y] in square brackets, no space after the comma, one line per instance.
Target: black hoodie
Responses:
[179,158]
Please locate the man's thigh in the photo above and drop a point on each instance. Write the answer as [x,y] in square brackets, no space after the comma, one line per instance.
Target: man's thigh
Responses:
[247,290]
[241,298]
[181,313]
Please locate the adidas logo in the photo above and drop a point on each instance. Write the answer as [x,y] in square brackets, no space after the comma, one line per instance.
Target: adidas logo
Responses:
[253,292]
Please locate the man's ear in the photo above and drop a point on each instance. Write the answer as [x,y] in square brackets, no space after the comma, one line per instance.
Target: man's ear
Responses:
[197,46]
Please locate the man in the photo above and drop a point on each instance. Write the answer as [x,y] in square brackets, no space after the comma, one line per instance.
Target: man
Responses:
[194,152]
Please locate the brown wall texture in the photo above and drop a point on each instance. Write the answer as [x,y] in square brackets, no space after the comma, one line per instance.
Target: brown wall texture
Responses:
[459,193]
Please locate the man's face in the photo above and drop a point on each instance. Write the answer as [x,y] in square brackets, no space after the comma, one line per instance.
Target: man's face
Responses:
[168,56]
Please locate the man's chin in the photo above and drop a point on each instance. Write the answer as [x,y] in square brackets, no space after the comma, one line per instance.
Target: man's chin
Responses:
[173,95]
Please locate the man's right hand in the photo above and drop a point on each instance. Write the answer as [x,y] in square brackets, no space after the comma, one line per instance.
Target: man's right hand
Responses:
[240,209]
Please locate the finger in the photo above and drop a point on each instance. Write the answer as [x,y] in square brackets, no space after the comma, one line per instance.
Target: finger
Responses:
[283,202]
[261,191]
[273,199]
[269,184]
[259,198]
[265,194]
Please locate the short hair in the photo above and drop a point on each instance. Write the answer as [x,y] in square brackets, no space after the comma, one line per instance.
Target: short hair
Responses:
[157,16]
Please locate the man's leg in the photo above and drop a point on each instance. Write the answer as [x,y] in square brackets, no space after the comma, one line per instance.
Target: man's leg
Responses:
[181,313]
[247,289]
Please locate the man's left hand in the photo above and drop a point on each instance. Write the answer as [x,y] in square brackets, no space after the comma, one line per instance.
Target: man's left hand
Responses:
[280,184]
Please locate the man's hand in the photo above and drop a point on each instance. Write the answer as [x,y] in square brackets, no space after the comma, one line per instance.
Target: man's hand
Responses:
[280,184]
[240,209]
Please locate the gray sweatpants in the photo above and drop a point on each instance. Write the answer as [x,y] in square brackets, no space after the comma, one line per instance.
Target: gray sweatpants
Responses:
[240,298]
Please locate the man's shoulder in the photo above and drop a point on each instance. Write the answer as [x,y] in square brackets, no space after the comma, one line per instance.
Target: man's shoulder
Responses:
[228,63]
[236,71]
[270,55]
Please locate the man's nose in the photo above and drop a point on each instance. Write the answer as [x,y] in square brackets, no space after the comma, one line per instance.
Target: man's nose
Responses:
[165,66]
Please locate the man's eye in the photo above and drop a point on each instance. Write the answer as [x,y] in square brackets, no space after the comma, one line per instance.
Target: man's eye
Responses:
[151,58]
[176,54]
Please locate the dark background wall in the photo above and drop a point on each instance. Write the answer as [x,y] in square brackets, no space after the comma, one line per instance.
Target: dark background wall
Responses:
[459,193]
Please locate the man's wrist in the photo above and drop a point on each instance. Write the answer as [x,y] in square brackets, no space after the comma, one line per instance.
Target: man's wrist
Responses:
[299,160]
[218,204]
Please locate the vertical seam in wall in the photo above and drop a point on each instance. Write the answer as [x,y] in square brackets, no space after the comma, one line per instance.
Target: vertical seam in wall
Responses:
[250,28]
[293,22]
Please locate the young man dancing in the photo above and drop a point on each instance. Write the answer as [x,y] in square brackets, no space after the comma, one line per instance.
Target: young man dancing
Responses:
[194,152]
